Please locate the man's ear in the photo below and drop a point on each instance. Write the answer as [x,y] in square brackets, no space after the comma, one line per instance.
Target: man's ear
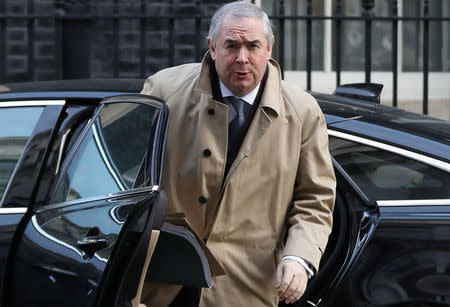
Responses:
[212,49]
[269,48]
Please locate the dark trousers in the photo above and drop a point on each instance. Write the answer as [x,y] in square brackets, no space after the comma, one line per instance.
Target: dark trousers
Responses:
[187,297]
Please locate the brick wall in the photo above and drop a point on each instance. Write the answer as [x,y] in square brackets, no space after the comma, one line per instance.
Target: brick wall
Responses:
[96,52]
[18,66]
[16,36]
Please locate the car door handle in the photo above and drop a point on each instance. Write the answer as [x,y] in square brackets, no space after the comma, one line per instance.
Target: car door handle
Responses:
[91,244]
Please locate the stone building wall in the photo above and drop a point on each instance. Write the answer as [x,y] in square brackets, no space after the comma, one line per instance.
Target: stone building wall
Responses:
[18,66]
[96,52]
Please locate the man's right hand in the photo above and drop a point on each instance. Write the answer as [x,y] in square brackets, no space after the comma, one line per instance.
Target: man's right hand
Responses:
[291,281]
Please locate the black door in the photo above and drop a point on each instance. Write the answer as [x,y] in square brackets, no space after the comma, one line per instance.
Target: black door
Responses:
[95,230]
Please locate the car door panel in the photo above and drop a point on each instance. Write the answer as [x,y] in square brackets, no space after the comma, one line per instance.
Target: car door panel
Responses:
[404,260]
[9,219]
[50,256]
[125,273]
[67,247]
[405,263]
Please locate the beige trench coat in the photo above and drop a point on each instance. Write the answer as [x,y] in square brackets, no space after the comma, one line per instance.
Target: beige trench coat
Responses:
[282,180]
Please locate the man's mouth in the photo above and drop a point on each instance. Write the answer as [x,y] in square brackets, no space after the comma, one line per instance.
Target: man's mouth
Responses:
[241,74]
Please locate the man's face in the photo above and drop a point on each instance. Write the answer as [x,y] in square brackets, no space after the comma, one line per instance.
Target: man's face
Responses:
[241,53]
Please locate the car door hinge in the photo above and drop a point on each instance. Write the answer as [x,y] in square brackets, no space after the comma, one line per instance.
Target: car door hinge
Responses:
[315,304]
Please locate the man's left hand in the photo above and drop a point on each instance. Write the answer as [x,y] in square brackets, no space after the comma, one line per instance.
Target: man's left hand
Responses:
[291,280]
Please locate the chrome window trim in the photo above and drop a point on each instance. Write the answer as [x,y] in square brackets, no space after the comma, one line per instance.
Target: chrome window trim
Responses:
[105,159]
[155,188]
[400,151]
[32,103]
[113,215]
[413,202]
[109,196]
[18,210]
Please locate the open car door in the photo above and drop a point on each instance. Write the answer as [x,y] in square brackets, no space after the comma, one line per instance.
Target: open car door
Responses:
[89,244]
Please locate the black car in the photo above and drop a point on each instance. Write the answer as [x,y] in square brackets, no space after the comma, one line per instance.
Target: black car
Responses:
[80,197]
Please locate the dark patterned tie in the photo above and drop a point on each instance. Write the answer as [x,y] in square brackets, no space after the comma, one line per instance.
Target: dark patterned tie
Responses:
[238,109]
[238,105]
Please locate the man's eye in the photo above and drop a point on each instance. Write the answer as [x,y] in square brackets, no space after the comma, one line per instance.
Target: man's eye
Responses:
[230,46]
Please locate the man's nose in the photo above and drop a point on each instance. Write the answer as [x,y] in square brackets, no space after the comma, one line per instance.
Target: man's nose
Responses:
[242,56]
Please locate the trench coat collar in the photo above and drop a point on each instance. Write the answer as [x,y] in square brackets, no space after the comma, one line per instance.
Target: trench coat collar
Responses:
[271,96]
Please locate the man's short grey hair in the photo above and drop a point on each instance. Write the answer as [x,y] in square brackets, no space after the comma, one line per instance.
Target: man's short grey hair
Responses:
[239,9]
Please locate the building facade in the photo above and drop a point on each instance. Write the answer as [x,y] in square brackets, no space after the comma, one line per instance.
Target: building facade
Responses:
[66,39]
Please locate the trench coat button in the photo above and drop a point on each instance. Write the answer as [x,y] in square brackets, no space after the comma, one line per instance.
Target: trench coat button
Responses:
[206,152]
[202,200]
[211,111]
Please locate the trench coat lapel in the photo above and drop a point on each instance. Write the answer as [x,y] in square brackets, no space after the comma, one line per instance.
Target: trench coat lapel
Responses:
[268,110]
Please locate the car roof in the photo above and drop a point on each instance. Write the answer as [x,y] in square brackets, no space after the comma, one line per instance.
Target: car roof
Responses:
[390,125]
[413,131]
[90,85]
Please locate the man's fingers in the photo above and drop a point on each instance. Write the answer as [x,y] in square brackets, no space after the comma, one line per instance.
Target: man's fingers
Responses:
[294,297]
[279,275]
[286,277]
[291,281]
[292,288]
[298,292]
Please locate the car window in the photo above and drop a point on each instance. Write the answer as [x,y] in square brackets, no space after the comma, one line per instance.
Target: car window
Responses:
[384,175]
[16,126]
[111,153]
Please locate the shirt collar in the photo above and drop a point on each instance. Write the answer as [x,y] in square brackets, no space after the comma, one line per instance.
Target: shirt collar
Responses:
[249,98]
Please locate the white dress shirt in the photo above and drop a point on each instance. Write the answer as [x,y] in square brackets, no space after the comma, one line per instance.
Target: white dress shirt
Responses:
[249,98]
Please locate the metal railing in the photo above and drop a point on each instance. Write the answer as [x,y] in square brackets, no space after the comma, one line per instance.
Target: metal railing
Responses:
[368,17]
[64,20]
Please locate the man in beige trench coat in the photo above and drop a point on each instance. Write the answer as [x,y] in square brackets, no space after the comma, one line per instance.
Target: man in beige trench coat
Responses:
[267,213]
